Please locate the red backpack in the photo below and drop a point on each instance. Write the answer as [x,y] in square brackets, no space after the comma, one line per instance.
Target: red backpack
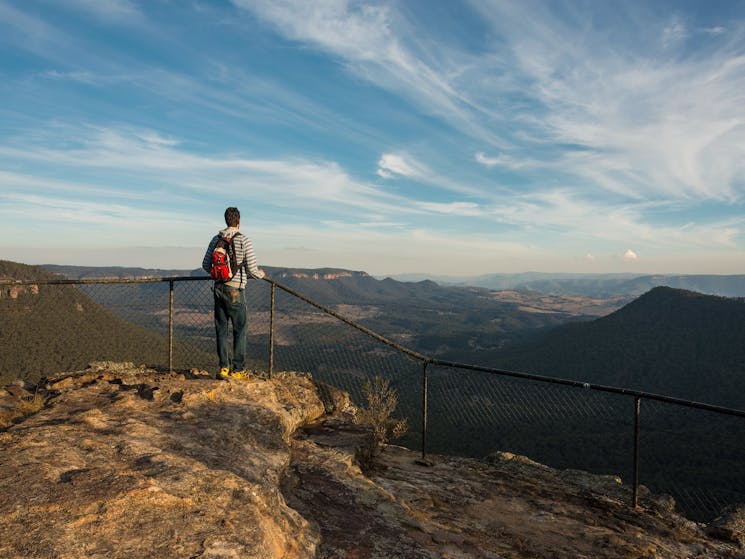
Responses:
[224,262]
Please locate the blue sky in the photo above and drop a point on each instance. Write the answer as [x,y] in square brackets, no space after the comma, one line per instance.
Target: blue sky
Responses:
[448,137]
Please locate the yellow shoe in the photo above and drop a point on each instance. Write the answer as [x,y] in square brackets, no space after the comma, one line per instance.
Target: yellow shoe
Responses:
[239,375]
[224,373]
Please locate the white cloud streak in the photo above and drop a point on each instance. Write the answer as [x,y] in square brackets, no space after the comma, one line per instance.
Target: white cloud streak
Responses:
[392,164]
[115,11]
[575,219]
[145,157]
[508,162]
[374,41]
[487,161]
[462,209]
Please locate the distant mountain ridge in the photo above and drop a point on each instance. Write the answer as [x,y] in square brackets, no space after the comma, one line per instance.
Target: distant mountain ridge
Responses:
[604,286]
[113,272]
[326,285]
[596,285]
[441,316]
[723,285]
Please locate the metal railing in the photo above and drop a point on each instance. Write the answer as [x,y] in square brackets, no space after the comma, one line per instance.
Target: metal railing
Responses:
[487,399]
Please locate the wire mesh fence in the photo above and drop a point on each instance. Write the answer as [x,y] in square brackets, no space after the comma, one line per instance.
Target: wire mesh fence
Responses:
[476,413]
[308,339]
[693,454]
[48,328]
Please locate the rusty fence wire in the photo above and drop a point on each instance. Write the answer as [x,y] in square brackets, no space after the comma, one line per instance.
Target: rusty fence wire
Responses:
[694,453]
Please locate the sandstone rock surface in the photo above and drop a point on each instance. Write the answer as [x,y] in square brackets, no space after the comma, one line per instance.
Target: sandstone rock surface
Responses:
[123,462]
[507,507]
[130,463]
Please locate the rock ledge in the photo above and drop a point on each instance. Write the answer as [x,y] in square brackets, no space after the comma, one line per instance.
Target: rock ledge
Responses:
[124,462]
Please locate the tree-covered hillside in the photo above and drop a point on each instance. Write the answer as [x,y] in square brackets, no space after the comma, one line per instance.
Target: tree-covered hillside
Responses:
[668,341]
[51,328]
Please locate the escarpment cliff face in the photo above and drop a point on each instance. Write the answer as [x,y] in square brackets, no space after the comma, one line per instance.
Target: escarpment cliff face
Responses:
[123,462]
[318,274]
[15,291]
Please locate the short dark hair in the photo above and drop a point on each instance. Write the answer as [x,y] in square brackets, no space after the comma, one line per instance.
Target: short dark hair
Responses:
[232,217]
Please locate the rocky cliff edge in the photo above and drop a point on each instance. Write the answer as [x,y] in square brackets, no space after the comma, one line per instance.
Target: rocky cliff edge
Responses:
[124,462]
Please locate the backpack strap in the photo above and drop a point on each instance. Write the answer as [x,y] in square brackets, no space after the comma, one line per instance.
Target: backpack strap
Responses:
[231,247]
[232,241]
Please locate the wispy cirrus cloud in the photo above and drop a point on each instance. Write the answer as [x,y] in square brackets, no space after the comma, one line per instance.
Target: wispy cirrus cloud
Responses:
[148,163]
[401,165]
[110,10]
[145,157]
[86,213]
[653,124]
[574,219]
[674,33]
[462,209]
[32,31]
[378,43]
[509,162]
[487,161]
[667,121]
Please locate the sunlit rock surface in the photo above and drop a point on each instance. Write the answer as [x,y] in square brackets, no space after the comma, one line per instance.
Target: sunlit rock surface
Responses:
[124,462]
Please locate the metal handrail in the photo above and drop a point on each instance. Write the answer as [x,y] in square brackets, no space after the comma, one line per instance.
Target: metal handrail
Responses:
[638,395]
[591,386]
[101,280]
[352,323]
[410,352]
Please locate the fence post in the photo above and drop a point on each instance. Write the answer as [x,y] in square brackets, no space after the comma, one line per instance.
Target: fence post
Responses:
[271,334]
[637,410]
[424,411]
[170,325]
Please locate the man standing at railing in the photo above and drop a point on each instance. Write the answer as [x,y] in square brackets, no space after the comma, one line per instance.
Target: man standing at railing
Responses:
[229,291]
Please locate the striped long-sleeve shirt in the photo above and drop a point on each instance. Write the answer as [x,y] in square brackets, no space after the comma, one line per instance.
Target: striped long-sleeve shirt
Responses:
[244,255]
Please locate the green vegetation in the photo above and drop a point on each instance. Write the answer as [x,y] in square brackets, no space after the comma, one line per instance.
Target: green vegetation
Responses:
[668,341]
[46,329]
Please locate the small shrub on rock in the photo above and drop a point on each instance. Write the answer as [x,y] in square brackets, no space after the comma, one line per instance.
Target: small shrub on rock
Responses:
[381,403]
